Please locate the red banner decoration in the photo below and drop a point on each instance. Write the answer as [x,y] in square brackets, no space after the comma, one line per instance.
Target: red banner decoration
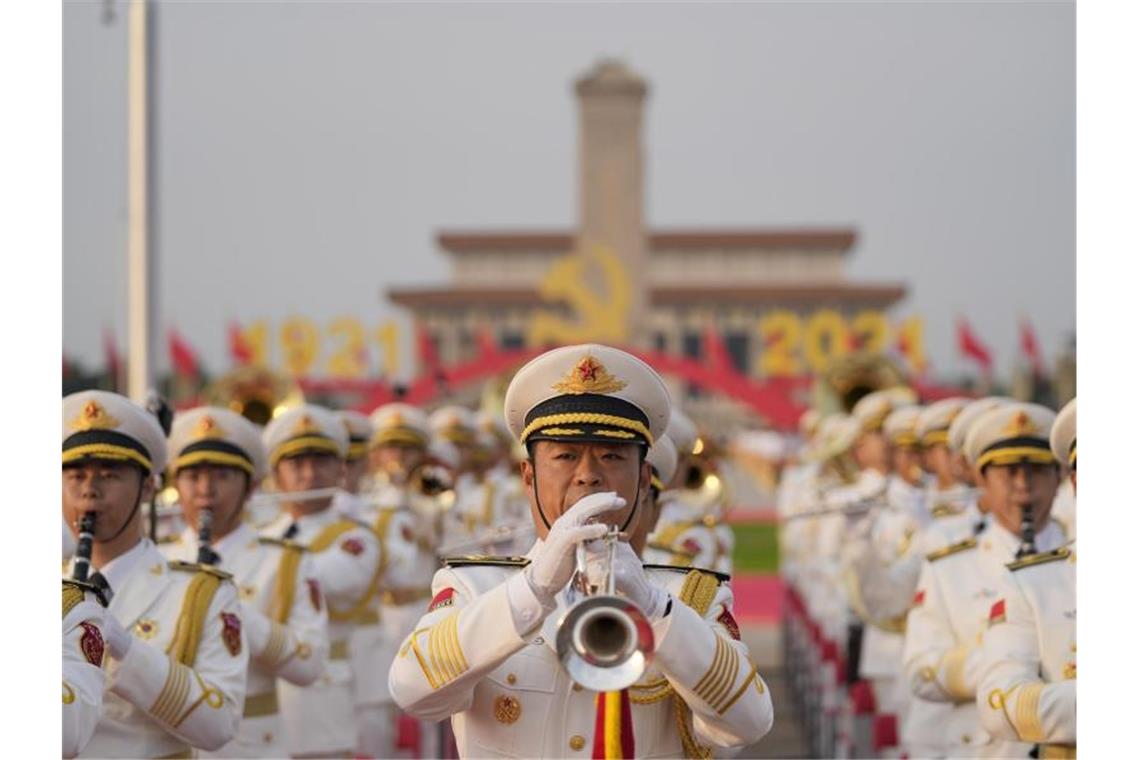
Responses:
[971,347]
[183,358]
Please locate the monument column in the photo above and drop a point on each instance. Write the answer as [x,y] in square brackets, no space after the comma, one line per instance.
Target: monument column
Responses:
[611,210]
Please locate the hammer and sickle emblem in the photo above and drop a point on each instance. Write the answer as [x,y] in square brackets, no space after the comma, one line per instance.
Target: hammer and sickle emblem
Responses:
[598,316]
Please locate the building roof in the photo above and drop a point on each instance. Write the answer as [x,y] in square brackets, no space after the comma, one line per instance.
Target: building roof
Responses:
[561,241]
[878,294]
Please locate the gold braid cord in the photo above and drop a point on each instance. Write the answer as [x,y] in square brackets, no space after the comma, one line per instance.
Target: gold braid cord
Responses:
[72,595]
[698,592]
[192,617]
[285,583]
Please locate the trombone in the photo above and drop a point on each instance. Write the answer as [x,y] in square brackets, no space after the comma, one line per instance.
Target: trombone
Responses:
[604,641]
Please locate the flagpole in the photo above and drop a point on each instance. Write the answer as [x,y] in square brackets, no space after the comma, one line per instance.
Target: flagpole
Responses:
[141,206]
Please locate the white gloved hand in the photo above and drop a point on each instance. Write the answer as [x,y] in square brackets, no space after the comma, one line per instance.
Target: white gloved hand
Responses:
[118,640]
[553,567]
[630,577]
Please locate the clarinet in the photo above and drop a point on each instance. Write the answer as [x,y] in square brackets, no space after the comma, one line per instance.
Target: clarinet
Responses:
[82,569]
[206,555]
[83,549]
[1027,533]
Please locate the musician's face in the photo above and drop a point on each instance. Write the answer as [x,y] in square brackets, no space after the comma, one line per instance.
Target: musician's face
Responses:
[308,472]
[871,451]
[397,462]
[568,471]
[108,488]
[907,464]
[223,490]
[1008,488]
[938,461]
[353,472]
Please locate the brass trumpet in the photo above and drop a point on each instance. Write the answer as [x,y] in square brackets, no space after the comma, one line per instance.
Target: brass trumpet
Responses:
[604,641]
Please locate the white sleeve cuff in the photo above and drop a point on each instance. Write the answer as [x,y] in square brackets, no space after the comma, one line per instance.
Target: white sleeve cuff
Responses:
[527,610]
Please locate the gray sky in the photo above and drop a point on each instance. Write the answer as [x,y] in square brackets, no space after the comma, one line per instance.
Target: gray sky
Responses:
[310,151]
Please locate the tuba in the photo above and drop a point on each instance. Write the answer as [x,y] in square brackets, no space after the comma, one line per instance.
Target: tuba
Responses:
[256,393]
[604,641]
[849,378]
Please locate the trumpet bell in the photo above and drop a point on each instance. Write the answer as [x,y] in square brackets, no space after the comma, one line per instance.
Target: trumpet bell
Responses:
[605,643]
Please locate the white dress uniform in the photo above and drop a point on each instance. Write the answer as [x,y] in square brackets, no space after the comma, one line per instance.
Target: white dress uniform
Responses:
[181,681]
[510,697]
[944,631]
[347,561]
[157,704]
[286,624]
[83,650]
[1027,690]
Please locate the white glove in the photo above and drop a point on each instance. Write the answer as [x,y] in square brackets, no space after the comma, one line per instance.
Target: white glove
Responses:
[118,640]
[550,571]
[630,577]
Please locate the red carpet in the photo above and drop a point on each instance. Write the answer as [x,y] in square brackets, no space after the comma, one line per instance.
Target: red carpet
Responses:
[757,598]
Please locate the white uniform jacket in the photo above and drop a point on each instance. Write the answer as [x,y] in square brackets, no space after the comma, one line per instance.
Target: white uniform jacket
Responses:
[286,626]
[83,649]
[157,705]
[1028,684]
[510,697]
[942,653]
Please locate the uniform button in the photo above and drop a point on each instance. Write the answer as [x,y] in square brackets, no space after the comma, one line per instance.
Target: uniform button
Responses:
[927,674]
[511,678]
[577,743]
[268,737]
[965,738]
[577,687]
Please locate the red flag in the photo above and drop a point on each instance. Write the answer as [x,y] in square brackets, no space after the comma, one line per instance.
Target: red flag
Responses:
[426,347]
[716,354]
[111,359]
[240,351]
[182,357]
[486,342]
[1031,349]
[970,346]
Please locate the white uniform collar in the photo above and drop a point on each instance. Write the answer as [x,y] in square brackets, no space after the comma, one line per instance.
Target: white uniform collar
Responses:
[119,569]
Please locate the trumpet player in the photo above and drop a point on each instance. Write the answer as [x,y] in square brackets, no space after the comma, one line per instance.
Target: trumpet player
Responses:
[217,460]
[485,652]
[178,649]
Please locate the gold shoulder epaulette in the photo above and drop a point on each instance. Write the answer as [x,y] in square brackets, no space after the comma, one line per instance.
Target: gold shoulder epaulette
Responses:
[194,567]
[722,577]
[464,560]
[282,542]
[944,510]
[175,538]
[946,551]
[1040,558]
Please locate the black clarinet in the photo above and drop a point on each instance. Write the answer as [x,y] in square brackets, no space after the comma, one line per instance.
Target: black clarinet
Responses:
[83,550]
[82,568]
[1028,534]
[206,555]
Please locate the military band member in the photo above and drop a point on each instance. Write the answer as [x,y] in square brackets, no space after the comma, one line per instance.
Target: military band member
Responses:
[662,458]
[684,527]
[307,446]
[217,459]
[976,513]
[484,652]
[1009,448]
[398,448]
[83,649]
[178,650]
[1027,690]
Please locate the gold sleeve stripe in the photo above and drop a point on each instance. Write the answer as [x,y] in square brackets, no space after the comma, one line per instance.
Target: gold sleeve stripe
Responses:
[740,692]
[714,685]
[953,664]
[721,692]
[415,646]
[457,650]
[727,675]
[275,646]
[446,654]
[173,695]
[211,697]
[1028,718]
[435,655]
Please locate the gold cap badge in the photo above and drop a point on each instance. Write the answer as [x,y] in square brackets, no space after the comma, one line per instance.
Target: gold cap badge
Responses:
[93,417]
[589,376]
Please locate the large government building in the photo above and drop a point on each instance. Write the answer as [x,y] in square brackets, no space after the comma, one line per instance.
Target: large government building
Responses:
[615,280]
